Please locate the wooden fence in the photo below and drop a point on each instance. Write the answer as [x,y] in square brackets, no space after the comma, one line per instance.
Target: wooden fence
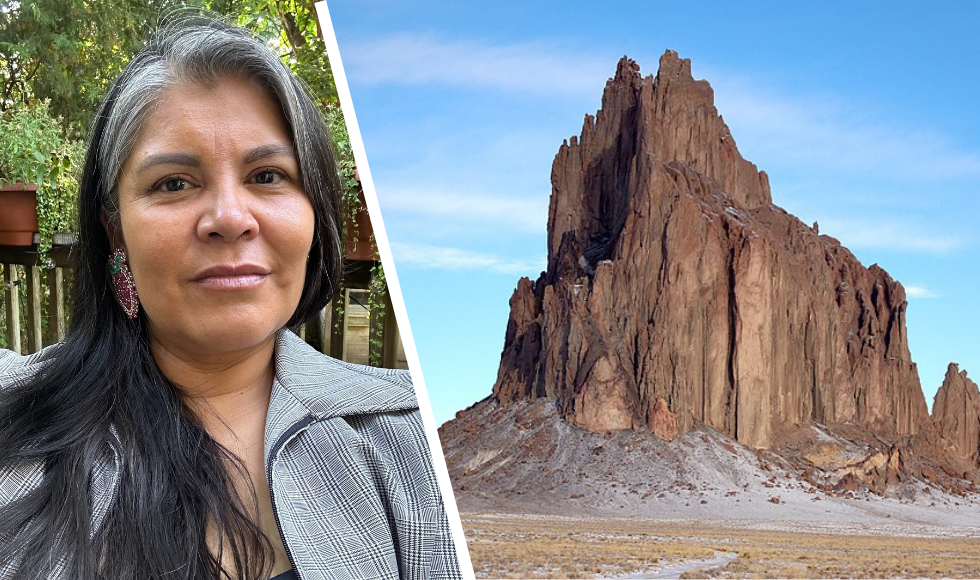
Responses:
[345,329]
[39,325]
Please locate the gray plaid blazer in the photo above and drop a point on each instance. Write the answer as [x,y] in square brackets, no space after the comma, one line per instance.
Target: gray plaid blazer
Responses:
[350,469]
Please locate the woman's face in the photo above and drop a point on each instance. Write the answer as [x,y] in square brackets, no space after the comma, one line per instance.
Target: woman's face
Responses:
[215,222]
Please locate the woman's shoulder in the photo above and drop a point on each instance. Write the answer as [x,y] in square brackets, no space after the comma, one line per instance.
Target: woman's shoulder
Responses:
[334,388]
[14,366]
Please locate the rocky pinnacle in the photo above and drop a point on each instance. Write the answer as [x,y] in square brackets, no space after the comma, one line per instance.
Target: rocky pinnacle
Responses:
[678,295]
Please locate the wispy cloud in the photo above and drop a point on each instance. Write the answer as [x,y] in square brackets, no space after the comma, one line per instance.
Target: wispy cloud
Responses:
[825,131]
[811,130]
[891,235]
[515,213]
[443,258]
[530,67]
[920,292]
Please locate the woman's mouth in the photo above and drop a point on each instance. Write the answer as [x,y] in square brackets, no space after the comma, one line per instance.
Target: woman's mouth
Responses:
[232,277]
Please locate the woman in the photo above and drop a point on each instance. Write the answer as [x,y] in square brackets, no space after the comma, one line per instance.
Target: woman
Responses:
[179,431]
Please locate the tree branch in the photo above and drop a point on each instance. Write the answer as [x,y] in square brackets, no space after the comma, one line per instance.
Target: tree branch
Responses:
[293,34]
[37,65]
[311,6]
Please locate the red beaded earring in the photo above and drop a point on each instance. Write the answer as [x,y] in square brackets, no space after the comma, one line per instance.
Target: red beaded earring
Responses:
[122,284]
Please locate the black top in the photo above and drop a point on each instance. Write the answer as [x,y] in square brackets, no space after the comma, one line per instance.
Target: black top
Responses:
[287,575]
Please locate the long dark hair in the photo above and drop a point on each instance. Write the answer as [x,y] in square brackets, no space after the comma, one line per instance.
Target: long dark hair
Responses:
[100,414]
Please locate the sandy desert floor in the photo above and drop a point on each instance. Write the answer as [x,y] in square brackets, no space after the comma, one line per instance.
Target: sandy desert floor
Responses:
[540,499]
[550,546]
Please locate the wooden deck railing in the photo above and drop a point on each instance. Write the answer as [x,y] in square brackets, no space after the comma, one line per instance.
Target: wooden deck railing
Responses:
[21,267]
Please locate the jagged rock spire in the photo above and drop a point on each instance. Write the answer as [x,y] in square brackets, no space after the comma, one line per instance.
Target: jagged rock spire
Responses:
[676,293]
[956,414]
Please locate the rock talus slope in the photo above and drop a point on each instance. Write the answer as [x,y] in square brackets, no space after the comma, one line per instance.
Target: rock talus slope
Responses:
[677,295]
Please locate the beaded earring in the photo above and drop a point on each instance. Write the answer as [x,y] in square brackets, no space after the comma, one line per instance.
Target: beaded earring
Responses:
[122,284]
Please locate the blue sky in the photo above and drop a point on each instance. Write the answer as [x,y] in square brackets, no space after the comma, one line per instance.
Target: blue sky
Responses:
[865,118]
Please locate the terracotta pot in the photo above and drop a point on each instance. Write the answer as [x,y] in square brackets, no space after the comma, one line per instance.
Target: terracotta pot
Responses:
[18,213]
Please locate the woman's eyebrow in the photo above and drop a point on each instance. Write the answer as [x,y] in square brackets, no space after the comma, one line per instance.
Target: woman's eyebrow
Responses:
[186,159]
[272,150]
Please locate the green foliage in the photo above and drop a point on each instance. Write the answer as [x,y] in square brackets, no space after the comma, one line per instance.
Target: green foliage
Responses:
[3,312]
[34,150]
[293,31]
[376,305]
[344,156]
[30,138]
[69,51]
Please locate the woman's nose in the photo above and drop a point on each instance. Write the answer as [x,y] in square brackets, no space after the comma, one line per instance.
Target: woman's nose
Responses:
[228,216]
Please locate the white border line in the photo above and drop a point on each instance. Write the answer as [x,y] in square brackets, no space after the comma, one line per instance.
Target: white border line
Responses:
[394,289]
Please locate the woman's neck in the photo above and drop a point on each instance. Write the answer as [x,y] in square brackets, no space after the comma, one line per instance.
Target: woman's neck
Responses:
[229,392]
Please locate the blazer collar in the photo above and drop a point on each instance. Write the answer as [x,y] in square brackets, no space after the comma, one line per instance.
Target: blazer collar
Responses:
[309,384]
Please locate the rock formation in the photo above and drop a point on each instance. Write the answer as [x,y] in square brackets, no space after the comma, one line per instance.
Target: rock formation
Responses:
[678,295]
[956,414]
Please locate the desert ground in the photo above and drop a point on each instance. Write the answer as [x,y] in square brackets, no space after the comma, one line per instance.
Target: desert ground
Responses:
[551,546]
[542,500]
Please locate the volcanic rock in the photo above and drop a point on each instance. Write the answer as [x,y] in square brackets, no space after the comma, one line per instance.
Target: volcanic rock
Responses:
[956,414]
[677,295]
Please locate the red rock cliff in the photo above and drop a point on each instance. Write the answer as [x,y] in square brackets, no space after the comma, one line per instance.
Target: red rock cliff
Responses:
[676,293]
[956,414]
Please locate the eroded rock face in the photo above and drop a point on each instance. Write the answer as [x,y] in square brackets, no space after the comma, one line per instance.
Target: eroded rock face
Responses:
[676,294]
[876,472]
[956,414]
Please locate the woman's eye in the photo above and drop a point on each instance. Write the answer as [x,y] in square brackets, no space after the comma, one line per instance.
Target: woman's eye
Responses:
[267,177]
[174,184]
